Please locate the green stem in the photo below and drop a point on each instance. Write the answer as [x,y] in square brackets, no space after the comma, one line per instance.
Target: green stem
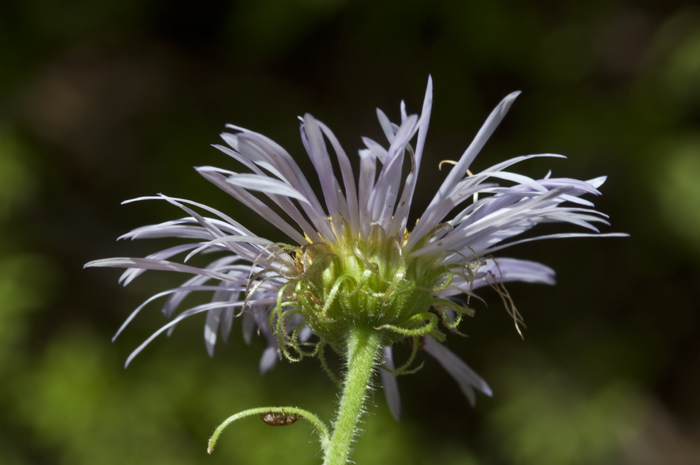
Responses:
[305,415]
[363,345]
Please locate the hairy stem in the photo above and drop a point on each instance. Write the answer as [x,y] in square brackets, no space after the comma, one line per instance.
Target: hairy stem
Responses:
[305,415]
[362,353]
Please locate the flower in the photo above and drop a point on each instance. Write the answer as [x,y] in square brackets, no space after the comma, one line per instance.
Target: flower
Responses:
[352,258]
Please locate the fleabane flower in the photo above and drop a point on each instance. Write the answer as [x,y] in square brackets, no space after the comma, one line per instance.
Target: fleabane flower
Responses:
[352,259]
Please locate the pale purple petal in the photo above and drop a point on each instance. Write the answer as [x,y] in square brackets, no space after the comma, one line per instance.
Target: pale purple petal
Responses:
[382,201]
[348,177]
[391,387]
[556,236]
[512,269]
[315,146]
[180,289]
[150,264]
[173,322]
[467,378]
[400,219]
[427,219]
[254,182]
[255,204]
[268,360]
[211,328]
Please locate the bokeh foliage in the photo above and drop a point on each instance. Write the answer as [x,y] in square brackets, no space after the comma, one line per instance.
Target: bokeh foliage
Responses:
[104,101]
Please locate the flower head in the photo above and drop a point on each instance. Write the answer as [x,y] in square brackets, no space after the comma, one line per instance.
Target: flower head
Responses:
[352,258]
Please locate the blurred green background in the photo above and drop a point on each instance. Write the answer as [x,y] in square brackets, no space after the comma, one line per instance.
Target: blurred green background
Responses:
[105,101]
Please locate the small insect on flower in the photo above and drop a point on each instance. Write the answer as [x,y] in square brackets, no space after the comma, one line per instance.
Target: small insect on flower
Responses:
[279,419]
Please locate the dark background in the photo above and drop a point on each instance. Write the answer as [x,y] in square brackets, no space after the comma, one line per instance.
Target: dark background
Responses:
[105,101]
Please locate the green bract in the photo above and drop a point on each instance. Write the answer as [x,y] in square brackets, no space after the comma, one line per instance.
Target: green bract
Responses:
[368,283]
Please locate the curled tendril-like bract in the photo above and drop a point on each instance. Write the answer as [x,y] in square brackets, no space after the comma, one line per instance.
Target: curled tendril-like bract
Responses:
[325,366]
[294,339]
[408,327]
[335,290]
[405,368]
[443,305]
[330,287]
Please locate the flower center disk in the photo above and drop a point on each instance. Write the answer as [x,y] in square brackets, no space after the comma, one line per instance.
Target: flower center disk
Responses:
[367,282]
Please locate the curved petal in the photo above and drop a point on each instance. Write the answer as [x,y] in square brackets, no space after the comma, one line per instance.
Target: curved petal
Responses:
[467,378]
[391,387]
